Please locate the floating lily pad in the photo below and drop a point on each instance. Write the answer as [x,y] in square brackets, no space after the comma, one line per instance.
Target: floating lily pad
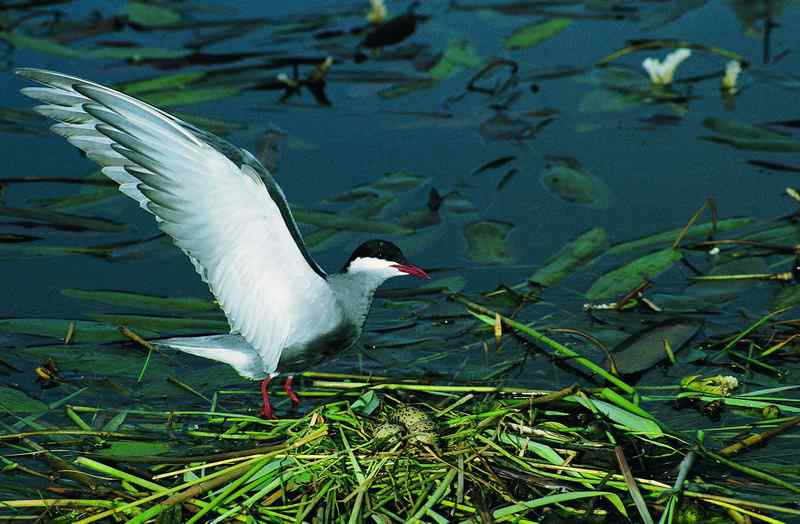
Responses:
[534,34]
[487,242]
[624,279]
[571,256]
[645,349]
[577,186]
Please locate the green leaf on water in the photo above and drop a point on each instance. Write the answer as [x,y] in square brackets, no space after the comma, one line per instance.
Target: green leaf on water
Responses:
[534,34]
[487,242]
[741,131]
[787,296]
[459,55]
[182,97]
[574,185]
[349,223]
[406,88]
[149,15]
[161,83]
[44,45]
[571,256]
[135,448]
[621,280]
[645,349]
[137,300]
[85,330]
[16,401]
[694,232]
[165,324]
[772,146]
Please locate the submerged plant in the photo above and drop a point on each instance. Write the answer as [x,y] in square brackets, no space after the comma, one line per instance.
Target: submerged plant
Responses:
[661,73]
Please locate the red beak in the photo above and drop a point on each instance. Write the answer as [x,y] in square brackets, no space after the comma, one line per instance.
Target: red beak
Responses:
[411,269]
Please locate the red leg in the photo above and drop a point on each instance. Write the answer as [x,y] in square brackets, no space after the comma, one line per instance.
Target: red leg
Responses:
[266,410]
[287,387]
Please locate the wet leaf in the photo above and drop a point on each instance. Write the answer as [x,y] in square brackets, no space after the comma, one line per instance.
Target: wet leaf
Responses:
[64,220]
[534,34]
[135,448]
[645,349]
[16,401]
[406,88]
[89,194]
[742,131]
[620,416]
[699,231]
[43,45]
[715,292]
[621,280]
[182,97]
[161,83]
[149,15]
[787,296]
[577,186]
[488,243]
[347,223]
[459,56]
[162,324]
[122,298]
[606,101]
[774,146]
[494,164]
[366,404]
[774,166]
[571,256]
[28,251]
[85,331]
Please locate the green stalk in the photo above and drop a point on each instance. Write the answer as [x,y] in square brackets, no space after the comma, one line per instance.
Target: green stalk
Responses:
[488,316]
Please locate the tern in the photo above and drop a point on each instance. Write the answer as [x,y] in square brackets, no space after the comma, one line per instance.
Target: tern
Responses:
[225,211]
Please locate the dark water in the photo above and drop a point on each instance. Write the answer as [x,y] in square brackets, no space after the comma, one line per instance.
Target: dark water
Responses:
[647,152]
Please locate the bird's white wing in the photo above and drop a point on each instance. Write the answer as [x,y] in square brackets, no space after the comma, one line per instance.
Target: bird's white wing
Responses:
[237,231]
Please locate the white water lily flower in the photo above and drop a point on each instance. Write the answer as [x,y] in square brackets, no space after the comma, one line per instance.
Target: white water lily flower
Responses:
[377,12]
[661,73]
[732,70]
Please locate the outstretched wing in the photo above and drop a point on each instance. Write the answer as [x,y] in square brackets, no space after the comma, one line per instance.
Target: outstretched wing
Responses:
[209,197]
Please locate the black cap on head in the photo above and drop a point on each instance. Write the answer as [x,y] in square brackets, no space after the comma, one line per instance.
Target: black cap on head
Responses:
[381,249]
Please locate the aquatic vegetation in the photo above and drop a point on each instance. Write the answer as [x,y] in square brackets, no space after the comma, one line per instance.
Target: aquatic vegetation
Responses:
[377,12]
[581,354]
[731,77]
[662,73]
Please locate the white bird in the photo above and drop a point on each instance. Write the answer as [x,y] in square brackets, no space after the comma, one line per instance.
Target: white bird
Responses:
[224,210]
